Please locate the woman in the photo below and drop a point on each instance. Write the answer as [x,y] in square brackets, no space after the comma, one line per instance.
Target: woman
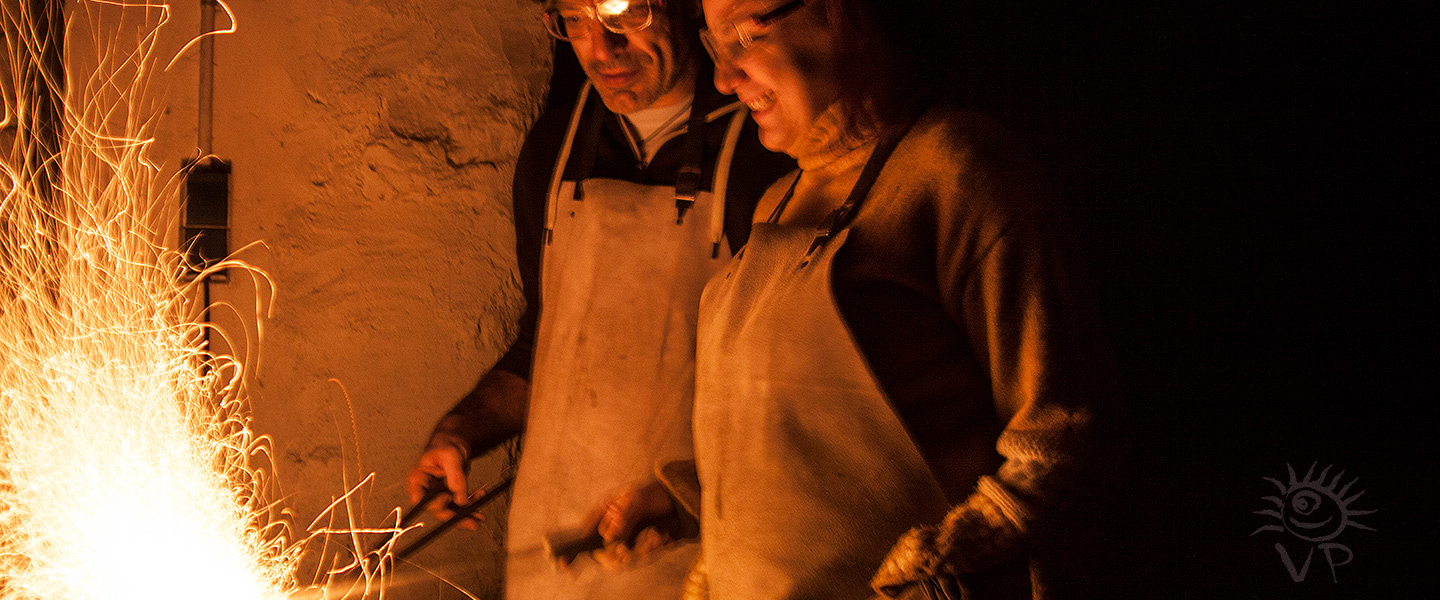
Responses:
[895,379]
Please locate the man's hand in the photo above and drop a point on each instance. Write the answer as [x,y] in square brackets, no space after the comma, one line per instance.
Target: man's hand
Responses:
[446,462]
[494,411]
[633,523]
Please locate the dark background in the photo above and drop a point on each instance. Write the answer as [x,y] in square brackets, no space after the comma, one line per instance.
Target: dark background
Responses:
[1256,181]
[1257,184]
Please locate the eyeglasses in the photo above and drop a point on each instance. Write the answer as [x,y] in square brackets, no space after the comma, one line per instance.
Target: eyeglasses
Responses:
[731,39]
[571,21]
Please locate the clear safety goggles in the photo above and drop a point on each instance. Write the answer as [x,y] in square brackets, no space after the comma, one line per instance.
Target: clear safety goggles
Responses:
[572,20]
[730,39]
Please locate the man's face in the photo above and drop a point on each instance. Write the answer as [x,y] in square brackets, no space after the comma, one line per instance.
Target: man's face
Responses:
[650,68]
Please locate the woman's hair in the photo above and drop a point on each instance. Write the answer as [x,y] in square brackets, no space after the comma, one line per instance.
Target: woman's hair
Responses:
[893,57]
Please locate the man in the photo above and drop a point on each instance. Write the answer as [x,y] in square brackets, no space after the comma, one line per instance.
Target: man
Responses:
[630,198]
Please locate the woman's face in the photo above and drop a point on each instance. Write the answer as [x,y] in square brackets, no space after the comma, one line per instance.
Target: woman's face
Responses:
[786,75]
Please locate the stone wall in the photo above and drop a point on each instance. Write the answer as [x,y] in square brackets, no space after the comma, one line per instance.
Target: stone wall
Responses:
[372,144]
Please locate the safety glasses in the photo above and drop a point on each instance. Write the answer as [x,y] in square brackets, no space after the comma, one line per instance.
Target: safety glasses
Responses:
[571,21]
[729,40]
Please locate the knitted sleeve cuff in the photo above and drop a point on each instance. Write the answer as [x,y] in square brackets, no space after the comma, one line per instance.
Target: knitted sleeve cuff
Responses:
[974,536]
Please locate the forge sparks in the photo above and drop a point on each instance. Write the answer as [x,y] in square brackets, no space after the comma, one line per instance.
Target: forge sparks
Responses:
[127,464]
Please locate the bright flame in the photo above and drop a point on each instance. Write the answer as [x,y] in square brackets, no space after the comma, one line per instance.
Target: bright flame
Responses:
[611,8]
[127,465]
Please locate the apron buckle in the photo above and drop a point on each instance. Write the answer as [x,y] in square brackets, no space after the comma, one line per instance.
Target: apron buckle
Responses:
[827,229]
[821,238]
[687,186]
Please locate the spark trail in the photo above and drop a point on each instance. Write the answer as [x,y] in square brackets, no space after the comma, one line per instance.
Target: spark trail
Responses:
[127,464]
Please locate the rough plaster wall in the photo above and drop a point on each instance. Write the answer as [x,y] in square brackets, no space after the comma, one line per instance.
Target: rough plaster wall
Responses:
[373,144]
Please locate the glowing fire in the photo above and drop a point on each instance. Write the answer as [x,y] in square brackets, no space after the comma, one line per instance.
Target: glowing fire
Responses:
[127,466]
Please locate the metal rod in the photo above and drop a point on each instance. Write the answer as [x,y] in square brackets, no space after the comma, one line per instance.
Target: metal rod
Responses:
[461,514]
[410,515]
[205,290]
[430,494]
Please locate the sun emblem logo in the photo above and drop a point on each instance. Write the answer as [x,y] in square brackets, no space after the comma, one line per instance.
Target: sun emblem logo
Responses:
[1310,509]
[1316,510]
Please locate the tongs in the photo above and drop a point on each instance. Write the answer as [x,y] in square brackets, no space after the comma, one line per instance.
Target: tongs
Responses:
[461,513]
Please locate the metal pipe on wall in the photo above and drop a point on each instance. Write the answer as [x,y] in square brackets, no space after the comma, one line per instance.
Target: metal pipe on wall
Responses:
[204,130]
[207,187]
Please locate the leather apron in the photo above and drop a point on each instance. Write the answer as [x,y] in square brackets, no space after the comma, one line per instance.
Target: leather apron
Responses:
[808,476]
[613,378]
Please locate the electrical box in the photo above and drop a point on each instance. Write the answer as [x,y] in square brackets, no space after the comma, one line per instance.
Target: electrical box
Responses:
[206,223]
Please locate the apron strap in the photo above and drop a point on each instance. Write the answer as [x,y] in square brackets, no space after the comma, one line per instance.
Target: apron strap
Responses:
[590,150]
[721,183]
[687,181]
[784,200]
[552,197]
[840,218]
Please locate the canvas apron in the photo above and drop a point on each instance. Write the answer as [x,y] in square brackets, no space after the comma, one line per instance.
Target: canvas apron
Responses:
[808,477]
[613,378]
